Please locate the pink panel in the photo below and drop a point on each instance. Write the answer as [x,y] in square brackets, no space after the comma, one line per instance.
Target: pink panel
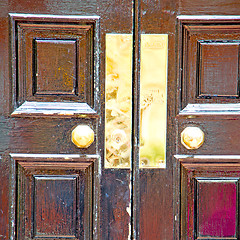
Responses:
[217,208]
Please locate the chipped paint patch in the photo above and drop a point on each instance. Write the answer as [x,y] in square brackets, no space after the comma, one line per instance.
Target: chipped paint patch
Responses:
[128,209]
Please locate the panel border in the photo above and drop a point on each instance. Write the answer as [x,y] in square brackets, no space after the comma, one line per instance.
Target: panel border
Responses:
[216,164]
[198,180]
[199,93]
[36,42]
[64,20]
[196,23]
[29,162]
[34,202]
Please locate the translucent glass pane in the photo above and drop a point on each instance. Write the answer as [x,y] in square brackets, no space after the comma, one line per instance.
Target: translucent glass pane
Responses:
[118,113]
[153,90]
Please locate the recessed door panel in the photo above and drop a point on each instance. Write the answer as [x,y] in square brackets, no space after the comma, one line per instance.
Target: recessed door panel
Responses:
[60,77]
[54,192]
[209,199]
[216,207]
[210,60]
[53,195]
[53,57]
[218,69]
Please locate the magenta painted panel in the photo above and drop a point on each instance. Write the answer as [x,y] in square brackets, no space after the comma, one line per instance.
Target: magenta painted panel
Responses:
[217,208]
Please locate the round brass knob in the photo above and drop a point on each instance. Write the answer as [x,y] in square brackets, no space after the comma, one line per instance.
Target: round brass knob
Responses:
[192,137]
[82,136]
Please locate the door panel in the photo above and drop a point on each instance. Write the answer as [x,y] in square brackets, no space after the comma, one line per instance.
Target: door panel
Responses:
[54,196]
[52,75]
[52,79]
[209,82]
[54,58]
[213,53]
[54,68]
[219,134]
[155,212]
[209,198]
[115,184]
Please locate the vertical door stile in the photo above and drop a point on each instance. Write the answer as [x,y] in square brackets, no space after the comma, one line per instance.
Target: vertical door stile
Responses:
[135,118]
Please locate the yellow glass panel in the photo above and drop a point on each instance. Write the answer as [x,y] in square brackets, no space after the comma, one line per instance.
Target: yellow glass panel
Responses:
[118,103]
[153,100]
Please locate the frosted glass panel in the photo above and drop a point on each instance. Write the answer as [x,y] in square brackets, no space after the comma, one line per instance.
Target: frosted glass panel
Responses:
[153,103]
[118,118]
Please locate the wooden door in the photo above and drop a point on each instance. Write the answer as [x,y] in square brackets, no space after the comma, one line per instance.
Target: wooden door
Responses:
[52,79]
[208,80]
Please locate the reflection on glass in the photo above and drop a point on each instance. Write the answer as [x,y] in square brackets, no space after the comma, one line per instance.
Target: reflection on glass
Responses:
[118,100]
[153,100]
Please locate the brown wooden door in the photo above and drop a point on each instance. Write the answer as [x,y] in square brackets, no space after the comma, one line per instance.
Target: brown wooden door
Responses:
[208,80]
[52,79]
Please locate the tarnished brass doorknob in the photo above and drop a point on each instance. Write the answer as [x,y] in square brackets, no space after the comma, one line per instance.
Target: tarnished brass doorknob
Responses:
[192,137]
[82,136]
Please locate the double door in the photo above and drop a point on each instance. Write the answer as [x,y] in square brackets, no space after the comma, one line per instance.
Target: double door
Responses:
[57,181]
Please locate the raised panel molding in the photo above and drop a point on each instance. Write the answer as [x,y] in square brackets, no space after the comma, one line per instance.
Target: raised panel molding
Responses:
[216,206]
[55,67]
[53,196]
[54,59]
[217,69]
[209,59]
[209,197]
[57,110]
[55,192]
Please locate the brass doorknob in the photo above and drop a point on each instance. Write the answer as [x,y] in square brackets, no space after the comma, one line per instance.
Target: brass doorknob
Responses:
[82,136]
[192,137]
